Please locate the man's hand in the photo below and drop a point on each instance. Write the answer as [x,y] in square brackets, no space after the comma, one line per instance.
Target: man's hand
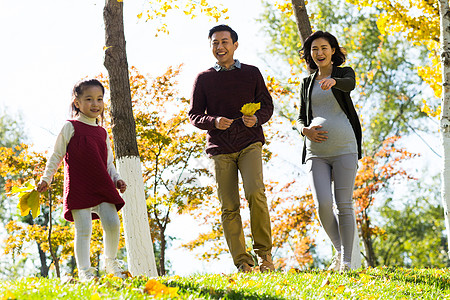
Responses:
[315,135]
[249,121]
[121,185]
[223,123]
[42,186]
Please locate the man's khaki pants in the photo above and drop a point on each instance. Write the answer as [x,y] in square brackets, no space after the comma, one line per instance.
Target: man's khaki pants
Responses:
[249,162]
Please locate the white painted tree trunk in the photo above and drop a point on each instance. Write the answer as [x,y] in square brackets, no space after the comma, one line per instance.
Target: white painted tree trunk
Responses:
[444,12]
[140,256]
[141,259]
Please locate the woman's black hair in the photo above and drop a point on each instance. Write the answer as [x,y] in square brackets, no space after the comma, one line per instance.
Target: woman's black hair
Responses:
[79,89]
[234,36]
[338,57]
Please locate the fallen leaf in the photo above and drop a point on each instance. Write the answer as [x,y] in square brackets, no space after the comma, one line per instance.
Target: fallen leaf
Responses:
[95,296]
[9,295]
[154,287]
[325,282]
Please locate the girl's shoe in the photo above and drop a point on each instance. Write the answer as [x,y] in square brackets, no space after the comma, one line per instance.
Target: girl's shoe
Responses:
[335,263]
[113,266]
[87,274]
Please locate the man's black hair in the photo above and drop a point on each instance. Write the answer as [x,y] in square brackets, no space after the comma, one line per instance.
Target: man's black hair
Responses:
[234,36]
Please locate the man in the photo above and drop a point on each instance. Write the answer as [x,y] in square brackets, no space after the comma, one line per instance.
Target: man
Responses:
[234,142]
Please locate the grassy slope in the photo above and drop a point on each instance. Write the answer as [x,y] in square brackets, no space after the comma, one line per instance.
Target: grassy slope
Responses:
[379,283]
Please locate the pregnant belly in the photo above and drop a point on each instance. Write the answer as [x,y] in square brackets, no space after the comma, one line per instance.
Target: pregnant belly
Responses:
[319,121]
[338,129]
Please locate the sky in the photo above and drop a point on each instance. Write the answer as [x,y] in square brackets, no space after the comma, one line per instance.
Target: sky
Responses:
[51,44]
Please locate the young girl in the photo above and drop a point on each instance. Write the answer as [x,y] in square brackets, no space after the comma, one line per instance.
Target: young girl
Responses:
[332,145]
[90,178]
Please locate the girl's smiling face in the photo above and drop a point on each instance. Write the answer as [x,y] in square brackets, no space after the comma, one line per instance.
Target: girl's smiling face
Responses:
[90,102]
[321,52]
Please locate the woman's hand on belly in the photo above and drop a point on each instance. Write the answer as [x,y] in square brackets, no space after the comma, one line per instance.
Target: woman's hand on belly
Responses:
[314,134]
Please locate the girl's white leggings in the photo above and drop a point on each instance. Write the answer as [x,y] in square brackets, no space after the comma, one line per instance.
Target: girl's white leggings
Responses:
[83,230]
[338,172]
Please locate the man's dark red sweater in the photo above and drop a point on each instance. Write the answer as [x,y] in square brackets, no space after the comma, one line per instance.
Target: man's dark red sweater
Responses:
[222,94]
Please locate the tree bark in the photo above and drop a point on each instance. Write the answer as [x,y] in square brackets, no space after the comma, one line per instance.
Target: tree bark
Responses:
[302,19]
[50,225]
[444,12]
[367,241]
[162,259]
[43,258]
[140,256]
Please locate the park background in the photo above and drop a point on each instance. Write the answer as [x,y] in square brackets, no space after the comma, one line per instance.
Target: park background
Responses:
[52,44]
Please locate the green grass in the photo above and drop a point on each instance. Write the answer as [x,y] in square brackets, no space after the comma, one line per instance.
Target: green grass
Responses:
[378,283]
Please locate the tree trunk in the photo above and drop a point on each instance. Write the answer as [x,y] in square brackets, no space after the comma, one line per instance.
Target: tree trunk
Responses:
[304,31]
[302,19]
[368,244]
[50,226]
[141,260]
[162,258]
[444,12]
[43,258]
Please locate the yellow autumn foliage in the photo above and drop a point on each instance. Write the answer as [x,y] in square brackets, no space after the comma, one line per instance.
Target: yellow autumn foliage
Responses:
[159,9]
[418,21]
[249,109]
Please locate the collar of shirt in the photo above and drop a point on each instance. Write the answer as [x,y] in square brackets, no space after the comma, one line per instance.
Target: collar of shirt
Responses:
[85,119]
[236,65]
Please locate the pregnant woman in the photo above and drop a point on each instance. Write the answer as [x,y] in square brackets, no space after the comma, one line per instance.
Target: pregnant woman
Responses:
[332,132]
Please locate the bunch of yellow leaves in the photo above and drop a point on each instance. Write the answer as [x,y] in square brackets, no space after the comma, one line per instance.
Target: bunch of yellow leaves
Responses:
[155,288]
[249,109]
[29,198]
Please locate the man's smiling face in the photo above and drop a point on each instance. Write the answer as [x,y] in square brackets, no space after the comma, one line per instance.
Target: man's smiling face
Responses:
[223,48]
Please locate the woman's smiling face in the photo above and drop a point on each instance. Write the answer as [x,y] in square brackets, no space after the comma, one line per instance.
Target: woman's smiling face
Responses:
[321,52]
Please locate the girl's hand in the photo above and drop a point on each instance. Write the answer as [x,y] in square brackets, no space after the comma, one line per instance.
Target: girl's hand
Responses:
[327,83]
[42,186]
[121,185]
[249,121]
[315,135]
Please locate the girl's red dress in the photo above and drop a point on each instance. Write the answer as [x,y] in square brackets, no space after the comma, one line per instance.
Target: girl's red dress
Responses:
[86,179]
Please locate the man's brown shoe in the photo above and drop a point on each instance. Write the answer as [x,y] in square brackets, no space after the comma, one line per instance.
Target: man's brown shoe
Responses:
[245,268]
[266,264]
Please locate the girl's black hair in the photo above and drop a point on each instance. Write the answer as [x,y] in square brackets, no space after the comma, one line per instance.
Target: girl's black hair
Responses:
[79,89]
[338,57]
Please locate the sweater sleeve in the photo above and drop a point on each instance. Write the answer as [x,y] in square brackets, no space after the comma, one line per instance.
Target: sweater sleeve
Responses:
[110,163]
[346,82]
[263,96]
[59,151]
[197,111]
